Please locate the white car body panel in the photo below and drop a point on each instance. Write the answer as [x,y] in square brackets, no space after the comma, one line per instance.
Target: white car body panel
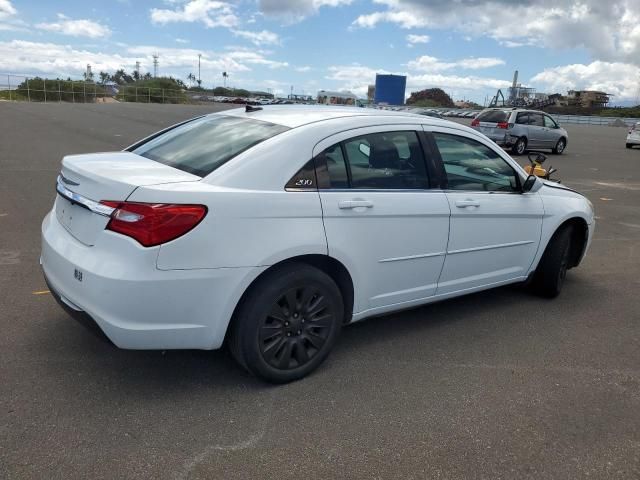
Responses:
[633,138]
[411,247]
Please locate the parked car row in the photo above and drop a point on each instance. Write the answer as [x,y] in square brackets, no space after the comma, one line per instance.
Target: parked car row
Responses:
[460,113]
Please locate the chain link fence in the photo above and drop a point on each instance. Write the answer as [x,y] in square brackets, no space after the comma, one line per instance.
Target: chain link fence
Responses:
[36,89]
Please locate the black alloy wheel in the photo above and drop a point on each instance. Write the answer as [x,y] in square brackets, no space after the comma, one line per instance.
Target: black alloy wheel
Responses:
[296,328]
[287,323]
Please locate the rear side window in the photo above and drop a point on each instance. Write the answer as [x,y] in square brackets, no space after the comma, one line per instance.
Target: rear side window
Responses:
[201,146]
[391,160]
[493,116]
[522,119]
[535,120]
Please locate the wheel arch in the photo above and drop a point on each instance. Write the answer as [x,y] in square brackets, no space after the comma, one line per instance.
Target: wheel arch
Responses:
[579,238]
[329,265]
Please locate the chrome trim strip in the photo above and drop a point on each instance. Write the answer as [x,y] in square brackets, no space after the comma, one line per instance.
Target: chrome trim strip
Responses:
[489,247]
[411,257]
[84,202]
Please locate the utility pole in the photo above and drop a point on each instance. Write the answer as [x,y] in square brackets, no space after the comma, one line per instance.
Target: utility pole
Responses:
[155,64]
[199,81]
[138,68]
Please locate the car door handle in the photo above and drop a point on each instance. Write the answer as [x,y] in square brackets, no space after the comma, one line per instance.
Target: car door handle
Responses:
[467,203]
[347,204]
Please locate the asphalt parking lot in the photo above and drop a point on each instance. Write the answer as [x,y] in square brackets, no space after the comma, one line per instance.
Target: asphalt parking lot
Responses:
[500,384]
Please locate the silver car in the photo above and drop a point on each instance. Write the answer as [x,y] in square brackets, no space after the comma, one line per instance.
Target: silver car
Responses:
[520,129]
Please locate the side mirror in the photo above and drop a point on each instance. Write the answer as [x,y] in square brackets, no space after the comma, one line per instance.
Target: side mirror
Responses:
[529,183]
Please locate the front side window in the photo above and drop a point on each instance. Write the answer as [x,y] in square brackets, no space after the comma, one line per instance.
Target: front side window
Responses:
[549,122]
[390,160]
[202,145]
[472,166]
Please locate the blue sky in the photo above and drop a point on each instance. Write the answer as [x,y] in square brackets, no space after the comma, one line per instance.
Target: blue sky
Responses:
[468,47]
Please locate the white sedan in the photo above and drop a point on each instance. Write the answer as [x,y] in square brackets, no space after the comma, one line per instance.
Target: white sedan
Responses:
[633,138]
[270,228]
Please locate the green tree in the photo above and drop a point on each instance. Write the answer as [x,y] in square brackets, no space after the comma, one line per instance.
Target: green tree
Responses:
[104,77]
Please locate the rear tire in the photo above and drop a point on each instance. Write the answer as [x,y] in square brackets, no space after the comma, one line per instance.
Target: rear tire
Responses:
[560,146]
[552,269]
[288,323]
[520,146]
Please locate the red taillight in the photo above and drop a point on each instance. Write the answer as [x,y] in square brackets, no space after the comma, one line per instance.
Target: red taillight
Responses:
[504,125]
[153,223]
[475,122]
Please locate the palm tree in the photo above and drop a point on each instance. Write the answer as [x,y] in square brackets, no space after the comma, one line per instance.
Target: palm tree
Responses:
[191,78]
[104,77]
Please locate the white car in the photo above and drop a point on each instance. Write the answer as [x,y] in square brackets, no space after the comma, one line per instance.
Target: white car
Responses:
[270,228]
[634,136]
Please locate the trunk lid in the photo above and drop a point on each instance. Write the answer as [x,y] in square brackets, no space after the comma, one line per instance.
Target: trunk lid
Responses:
[85,180]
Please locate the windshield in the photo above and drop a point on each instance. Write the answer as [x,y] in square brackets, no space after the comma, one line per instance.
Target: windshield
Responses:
[201,146]
[495,116]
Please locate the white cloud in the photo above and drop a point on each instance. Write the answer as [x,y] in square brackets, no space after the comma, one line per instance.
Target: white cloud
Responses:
[413,39]
[182,40]
[619,79]
[75,28]
[264,37]
[8,18]
[432,64]
[64,60]
[210,12]
[6,9]
[296,10]
[608,30]
[303,69]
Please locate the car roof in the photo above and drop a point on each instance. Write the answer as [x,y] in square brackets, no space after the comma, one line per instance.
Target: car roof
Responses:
[293,116]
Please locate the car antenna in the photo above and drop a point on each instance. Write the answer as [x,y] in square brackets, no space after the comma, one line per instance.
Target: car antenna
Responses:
[249,109]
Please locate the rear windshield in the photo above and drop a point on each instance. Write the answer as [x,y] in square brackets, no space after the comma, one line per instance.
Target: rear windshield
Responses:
[202,145]
[495,116]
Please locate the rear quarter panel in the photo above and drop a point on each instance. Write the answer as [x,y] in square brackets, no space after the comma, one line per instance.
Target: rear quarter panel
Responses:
[243,228]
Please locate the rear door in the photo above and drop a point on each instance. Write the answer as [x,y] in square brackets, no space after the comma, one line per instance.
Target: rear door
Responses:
[494,230]
[381,218]
[493,123]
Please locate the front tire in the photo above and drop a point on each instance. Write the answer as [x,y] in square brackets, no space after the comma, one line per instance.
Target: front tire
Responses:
[552,269]
[629,145]
[560,146]
[288,323]
[520,146]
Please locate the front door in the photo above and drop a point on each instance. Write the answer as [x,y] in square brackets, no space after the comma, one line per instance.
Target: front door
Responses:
[537,138]
[495,230]
[381,218]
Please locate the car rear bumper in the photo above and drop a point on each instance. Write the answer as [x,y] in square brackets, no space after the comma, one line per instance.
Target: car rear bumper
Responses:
[503,139]
[136,305]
